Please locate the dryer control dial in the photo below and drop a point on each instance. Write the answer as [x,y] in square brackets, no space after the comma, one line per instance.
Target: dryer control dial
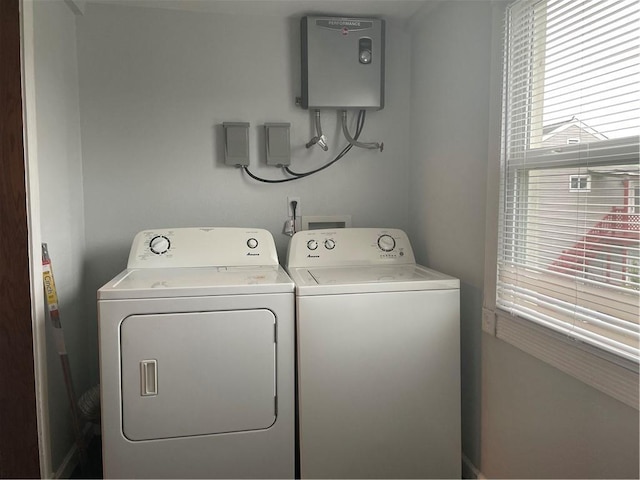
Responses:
[386,243]
[252,243]
[159,244]
[312,244]
[329,244]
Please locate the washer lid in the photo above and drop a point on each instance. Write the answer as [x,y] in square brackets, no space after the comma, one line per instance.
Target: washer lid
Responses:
[366,279]
[190,282]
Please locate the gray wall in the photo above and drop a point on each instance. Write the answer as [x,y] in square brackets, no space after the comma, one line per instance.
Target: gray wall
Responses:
[61,205]
[449,84]
[540,423]
[156,84]
[521,417]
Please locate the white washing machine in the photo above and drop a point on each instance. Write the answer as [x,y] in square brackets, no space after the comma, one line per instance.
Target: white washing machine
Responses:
[378,352]
[197,358]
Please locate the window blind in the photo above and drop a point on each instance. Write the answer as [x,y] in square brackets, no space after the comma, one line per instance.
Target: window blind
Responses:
[569,238]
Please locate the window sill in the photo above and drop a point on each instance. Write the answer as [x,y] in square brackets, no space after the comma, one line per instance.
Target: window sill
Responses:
[605,372]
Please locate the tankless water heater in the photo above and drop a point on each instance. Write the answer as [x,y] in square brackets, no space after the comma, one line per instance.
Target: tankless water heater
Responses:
[342,62]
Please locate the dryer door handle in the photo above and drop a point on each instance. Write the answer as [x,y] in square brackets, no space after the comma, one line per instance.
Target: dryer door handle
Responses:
[148,378]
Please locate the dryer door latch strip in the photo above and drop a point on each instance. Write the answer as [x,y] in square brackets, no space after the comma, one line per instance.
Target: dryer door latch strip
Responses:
[148,378]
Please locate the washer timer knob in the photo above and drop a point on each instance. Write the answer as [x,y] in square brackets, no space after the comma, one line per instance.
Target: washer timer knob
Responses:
[159,244]
[252,243]
[312,244]
[329,244]
[386,243]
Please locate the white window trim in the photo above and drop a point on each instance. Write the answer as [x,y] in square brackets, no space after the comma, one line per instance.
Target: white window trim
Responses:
[611,375]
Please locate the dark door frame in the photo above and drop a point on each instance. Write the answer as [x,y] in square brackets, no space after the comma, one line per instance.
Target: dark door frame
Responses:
[19,454]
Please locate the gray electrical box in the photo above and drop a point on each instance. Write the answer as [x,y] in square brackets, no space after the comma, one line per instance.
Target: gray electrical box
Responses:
[277,144]
[342,62]
[236,143]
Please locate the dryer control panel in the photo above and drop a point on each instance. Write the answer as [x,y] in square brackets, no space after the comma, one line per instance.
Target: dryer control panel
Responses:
[349,246]
[202,247]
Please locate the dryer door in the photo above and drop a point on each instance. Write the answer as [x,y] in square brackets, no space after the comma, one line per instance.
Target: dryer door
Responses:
[198,373]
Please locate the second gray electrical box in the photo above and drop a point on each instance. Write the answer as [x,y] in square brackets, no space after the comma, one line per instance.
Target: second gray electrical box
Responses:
[277,144]
[342,62]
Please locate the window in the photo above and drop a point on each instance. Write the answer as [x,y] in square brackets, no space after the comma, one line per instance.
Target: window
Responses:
[579,183]
[568,258]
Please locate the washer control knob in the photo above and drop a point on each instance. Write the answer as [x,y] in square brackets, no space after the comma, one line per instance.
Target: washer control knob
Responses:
[252,243]
[386,243]
[329,244]
[312,244]
[159,244]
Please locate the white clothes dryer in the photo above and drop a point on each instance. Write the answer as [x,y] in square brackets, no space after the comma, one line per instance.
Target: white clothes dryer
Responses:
[378,358]
[197,358]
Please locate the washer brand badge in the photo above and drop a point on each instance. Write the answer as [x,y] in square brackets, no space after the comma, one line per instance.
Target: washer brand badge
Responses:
[344,25]
[253,254]
[313,256]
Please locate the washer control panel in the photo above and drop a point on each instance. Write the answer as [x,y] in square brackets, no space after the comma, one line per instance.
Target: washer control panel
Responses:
[349,246]
[202,247]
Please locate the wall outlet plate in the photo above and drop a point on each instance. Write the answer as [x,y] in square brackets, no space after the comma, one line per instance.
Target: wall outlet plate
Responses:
[489,321]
